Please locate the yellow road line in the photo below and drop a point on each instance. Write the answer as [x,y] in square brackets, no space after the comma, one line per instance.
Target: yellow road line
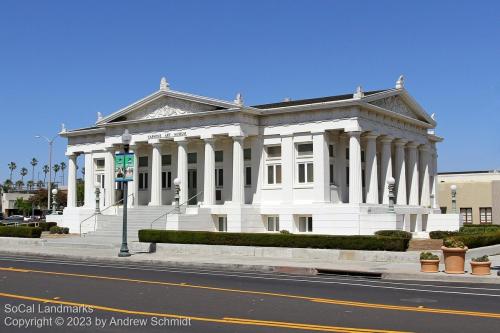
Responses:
[252,292]
[226,320]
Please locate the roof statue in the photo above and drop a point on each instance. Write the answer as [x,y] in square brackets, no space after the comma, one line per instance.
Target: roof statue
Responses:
[164,84]
[359,93]
[400,83]
[99,116]
[239,99]
[63,128]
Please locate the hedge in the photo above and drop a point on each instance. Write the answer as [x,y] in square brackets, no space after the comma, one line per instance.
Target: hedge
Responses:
[45,226]
[479,228]
[479,240]
[439,234]
[394,233]
[374,243]
[58,230]
[23,232]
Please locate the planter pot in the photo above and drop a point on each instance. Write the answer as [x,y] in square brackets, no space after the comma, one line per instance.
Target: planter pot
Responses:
[429,266]
[454,259]
[481,268]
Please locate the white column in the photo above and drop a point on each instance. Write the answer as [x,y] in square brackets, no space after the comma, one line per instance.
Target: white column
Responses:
[209,177]
[71,181]
[386,168]
[355,181]
[321,168]
[371,169]
[435,202]
[182,169]
[156,175]
[413,174]
[340,168]
[109,178]
[287,168]
[89,196]
[135,185]
[238,172]
[400,172]
[425,199]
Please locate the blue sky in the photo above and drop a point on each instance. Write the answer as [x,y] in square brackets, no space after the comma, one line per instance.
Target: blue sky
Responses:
[63,61]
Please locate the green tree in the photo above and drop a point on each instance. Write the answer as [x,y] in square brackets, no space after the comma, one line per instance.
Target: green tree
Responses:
[23,205]
[7,185]
[12,167]
[45,170]
[30,184]
[80,191]
[39,184]
[62,165]
[19,184]
[56,169]
[33,163]
[23,173]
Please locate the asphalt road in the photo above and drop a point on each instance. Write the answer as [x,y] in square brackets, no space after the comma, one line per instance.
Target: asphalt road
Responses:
[77,296]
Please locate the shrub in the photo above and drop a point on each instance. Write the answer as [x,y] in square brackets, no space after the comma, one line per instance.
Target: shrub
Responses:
[428,256]
[453,243]
[22,232]
[479,240]
[373,243]
[285,232]
[45,226]
[438,234]
[394,233]
[481,259]
[479,228]
[58,230]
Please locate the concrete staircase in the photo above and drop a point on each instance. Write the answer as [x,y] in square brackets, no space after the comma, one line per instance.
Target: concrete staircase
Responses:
[425,244]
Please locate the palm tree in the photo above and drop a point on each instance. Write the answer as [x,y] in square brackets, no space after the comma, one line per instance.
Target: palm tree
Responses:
[33,163]
[12,167]
[56,169]
[30,184]
[63,167]
[19,184]
[7,185]
[23,173]
[45,170]
[39,184]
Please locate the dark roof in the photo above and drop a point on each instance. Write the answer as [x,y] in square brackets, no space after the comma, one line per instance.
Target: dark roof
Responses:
[465,172]
[313,100]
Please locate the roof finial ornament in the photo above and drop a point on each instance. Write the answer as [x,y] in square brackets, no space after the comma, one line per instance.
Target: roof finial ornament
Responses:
[239,99]
[359,93]
[400,83]
[99,117]
[63,128]
[433,116]
[164,86]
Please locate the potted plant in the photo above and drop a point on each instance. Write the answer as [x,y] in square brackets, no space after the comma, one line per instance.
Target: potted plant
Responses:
[481,265]
[454,256]
[429,262]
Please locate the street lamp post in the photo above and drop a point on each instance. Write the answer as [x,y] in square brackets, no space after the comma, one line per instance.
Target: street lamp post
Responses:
[97,198]
[177,183]
[49,185]
[453,189]
[54,200]
[124,252]
[390,184]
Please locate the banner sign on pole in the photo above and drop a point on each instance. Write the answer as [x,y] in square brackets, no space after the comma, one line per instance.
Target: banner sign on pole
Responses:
[124,167]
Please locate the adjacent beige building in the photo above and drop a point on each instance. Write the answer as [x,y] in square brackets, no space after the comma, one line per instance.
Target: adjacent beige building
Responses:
[477,195]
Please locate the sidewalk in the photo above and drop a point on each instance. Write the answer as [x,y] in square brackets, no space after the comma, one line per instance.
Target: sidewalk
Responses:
[68,250]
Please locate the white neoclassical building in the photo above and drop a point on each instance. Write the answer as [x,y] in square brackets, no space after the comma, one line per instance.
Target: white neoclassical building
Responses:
[317,165]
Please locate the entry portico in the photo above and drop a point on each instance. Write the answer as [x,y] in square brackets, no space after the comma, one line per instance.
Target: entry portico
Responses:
[317,165]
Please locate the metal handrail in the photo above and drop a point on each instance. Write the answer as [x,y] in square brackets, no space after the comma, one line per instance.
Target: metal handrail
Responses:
[170,211]
[102,210]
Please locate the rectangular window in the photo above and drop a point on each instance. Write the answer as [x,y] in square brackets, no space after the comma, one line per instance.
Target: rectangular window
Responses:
[347,153]
[247,154]
[99,164]
[305,224]
[330,150]
[192,157]
[248,176]
[218,195]
[347,176]
[362,156]
[466,214]
[222,223]
[274,174]
[143,180]
[485,215]
[143,161]
[273,223]
[166,179]
[305,173]
[219,177]
[304,149]
[363,180]
[219,156]
[332,178]
[273,151]
[166,160]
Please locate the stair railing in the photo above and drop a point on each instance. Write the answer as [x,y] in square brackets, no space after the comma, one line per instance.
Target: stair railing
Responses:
[174,209]
[102,210]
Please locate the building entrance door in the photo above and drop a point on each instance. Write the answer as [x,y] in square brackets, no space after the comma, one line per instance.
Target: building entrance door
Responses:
[192,186]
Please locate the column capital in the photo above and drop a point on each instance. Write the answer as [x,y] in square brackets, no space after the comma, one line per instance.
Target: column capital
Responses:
[153,141]
[400,142]
[239,138]
[356,133]
[371,136]
[412,145]
[181,141]
[156,145]
[424,147]
[71,155]
[386,139]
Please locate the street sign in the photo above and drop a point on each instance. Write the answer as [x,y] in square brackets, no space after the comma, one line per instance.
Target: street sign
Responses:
[124,167]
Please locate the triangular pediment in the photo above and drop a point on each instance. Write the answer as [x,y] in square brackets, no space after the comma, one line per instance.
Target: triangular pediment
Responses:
[167,106]
[397,104]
